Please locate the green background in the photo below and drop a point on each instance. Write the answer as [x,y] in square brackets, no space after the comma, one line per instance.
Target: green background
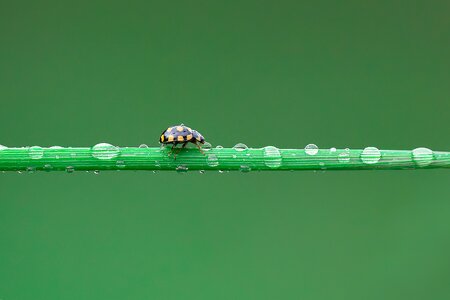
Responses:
[284,73]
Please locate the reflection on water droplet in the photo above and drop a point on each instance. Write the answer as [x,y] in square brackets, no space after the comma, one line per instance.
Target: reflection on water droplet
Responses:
[333,149]
[206,146]
[36,152]
[219,147]
[240,147]
[212,160]
[311,149]
[182,169]
[422,156]
[245,169]
[202,171]
[105,151]
[272,157]
[344,157]
[70,169]
[96,172]
[143,146]
[120,164]
[370,155]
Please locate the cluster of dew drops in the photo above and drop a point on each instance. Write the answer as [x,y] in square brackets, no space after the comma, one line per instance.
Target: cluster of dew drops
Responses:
[271,155]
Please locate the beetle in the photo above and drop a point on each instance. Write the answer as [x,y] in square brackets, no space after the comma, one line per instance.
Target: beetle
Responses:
[181,134]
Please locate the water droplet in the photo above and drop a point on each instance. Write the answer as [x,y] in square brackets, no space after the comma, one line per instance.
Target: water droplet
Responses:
[344,157]
[333,149]
[30,170]
[347,149]
[70,169]
[422,156]
[182,169]
[96,172]
[212,160]
[120,164]
[154,171]
[143,146]
[272,157]
[206,146]
[370,155]
[19,172]
[234,156]
[219,147]
[311,149]
[3,147]
[36,152]
[105,151]
[48,167]
[221,171]
[157,164]
[240,147]
[245,169]
[56,147]
[202,171]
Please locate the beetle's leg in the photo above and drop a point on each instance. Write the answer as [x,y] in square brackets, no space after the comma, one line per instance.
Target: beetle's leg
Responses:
[199,148]
[172,149]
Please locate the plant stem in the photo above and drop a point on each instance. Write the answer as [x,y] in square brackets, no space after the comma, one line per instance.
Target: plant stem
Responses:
[108,157]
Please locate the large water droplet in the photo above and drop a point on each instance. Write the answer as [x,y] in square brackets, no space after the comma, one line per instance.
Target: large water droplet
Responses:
[240,147]
[311,149]
[212,160]
[206,146]
[105,151]
[182,169]
[370,155]
[422,156]
[36,152]
[344,157]
[272,157]
[3,147]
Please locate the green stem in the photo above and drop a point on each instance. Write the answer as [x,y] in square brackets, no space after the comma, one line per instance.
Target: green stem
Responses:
[108,157]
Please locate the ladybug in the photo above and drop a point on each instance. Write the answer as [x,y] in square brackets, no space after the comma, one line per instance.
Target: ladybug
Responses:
[181,134]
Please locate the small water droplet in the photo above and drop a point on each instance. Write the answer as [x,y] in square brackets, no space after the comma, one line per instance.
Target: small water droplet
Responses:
[240,147]
[311,149]
[344,157]
[96,172]
[212,160]
[333,149]
[234,156]
[48,167]
[182,169]
[202,171]
[422,156]
[347,149]
[272,157]
[221,171]
[370,155]
[219,147]
[36,152]
[245,169]
[19,172]
[30,170]
[105,151]
[206,146]
[70,169]
[143,146]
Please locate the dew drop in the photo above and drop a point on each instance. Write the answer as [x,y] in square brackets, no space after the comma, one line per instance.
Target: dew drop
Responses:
[56,147]
[370,155]
[206,146]
[202,171]
[272,157]
[70,169]
[30,170]
[105,151]
[96,172]
[311,149]
[245,169]
[234,156]
[221,171]
[219,147]
[422,156]
[344,157]
[332,150]
[36,152]
[212,160]
[181,169]
[240,147]
[3,147]
[143,146]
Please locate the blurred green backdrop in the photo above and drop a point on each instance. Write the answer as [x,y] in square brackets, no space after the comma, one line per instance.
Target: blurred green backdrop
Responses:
[284,73]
